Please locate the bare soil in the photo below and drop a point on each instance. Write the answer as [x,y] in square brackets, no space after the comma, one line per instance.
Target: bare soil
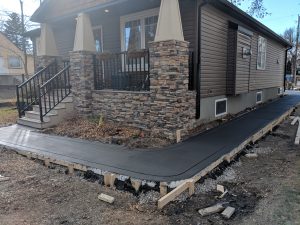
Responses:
[264,191]
[93,129]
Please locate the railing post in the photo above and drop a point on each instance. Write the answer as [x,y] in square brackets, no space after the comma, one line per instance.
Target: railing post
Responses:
[40,103]
[18,101]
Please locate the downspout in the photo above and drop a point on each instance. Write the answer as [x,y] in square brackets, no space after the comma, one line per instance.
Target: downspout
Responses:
[285,69]
[198,71]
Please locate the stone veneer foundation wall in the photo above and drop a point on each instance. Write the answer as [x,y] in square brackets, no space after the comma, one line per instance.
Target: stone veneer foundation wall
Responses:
[131,108]
[168,107]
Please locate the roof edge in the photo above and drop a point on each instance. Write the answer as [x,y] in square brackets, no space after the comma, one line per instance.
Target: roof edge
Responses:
[251,21]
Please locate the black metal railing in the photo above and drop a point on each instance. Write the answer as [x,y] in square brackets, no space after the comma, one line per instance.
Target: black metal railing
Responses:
[54,91]
[191,71]
[122,71]
[27,92]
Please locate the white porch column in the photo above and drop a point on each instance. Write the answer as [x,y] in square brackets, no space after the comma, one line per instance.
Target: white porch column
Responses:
[47,42]
[84,37]
[169,25]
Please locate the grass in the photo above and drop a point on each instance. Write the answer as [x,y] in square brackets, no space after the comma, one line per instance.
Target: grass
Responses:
[10,100]
[7,116]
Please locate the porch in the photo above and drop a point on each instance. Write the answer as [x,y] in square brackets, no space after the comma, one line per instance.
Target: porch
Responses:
[130,61]
[119,34]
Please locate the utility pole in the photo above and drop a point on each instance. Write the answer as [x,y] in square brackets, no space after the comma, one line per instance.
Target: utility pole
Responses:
[296,53]
[23,39]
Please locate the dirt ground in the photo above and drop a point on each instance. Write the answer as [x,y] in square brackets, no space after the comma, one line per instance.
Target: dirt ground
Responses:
[8,116]
[96,129]
[264,191]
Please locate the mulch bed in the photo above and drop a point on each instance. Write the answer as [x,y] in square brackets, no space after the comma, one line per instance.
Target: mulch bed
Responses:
[93,130]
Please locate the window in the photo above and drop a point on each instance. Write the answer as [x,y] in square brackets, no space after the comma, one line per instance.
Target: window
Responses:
[221,107]
[150,29]
[138,29]
[280,91]
[14,62]
[259,97]
[132,35]
[261,53]
[98,36]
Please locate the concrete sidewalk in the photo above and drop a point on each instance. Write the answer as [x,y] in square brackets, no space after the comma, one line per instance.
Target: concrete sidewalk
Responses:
[177,162]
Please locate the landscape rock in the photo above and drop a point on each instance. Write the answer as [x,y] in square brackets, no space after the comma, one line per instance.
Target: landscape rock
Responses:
[228,212]
[251,155]
[220,188]
[211,210]
[106,198]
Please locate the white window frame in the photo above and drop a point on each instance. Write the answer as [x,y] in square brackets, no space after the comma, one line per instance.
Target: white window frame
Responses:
[20,59]
[280,91]
[136,16]
[261,101]
[263,56]
[224,113]
[102,41]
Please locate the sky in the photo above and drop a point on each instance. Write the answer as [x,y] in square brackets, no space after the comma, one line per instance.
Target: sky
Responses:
[14,5]
[283,12]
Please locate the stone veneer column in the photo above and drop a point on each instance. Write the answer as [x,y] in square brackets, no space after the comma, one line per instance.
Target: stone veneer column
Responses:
[43,61]
[82,80]
[172,104]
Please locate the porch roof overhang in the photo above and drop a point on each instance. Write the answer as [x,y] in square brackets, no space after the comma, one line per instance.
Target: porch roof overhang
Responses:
[38,15]
[33,33]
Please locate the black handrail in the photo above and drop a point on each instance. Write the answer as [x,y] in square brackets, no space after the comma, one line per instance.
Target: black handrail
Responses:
[128,71]
[27,92]
[54,91]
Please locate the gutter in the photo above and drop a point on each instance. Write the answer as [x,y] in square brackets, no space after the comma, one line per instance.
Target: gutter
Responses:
[249,20]
[198,70]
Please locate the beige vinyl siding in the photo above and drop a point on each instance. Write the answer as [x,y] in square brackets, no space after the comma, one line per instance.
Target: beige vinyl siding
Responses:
[242,64]
[214,50]
[214,31]
[272,76]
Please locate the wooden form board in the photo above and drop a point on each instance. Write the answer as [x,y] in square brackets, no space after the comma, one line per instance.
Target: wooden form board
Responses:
[187,184]
[47,160]
[228,157]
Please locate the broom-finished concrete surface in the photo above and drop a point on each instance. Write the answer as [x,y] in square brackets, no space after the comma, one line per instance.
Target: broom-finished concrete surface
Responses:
[173,163]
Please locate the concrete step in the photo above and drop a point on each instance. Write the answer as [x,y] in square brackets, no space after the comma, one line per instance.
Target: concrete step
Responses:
[31,123]
[56,109]
[36,116]
[62,111]
[67,99]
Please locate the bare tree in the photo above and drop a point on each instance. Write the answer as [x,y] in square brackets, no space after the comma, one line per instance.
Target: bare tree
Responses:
[256,7]
[290,34]
[24,39]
